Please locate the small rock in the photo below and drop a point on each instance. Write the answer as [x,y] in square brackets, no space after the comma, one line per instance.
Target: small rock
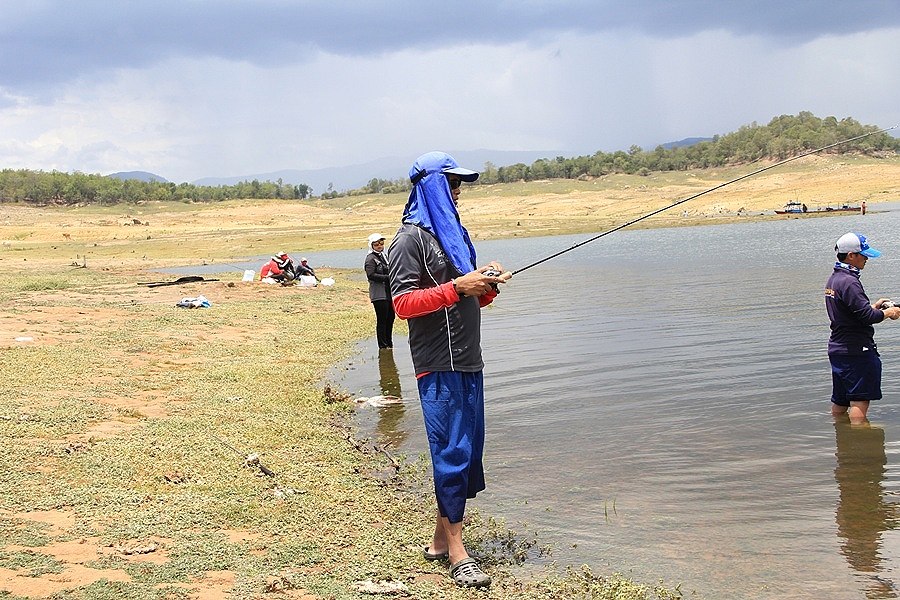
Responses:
[380,587]
[145,549]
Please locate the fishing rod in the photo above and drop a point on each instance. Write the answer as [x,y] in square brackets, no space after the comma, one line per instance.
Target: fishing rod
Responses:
[712,189]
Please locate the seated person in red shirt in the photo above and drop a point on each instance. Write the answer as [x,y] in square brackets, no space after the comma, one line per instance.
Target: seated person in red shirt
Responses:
[280,268]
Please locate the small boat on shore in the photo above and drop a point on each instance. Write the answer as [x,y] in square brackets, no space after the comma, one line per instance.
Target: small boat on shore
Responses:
[799,208]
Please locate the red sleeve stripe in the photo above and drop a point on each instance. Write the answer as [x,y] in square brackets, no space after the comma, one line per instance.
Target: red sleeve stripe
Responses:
[418,303]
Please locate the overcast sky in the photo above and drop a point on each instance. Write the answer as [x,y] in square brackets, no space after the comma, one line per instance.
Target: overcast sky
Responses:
[189,89]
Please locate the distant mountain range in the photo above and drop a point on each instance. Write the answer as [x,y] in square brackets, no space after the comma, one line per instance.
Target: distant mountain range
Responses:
[685,142]
[139,175]
[390,168]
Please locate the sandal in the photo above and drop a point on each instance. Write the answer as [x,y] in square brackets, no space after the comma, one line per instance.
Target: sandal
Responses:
[436,556]
[467,573]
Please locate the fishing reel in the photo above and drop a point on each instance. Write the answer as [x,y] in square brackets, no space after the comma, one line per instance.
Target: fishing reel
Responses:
[493,273]
[888,304]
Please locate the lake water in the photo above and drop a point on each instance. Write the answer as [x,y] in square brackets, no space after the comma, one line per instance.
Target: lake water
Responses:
[657,404]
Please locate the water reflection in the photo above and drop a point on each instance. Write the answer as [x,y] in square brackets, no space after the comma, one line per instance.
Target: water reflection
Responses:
[390,418]
[862,513]
[389,377]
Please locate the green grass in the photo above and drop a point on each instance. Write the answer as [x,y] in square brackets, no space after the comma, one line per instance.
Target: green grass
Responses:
[30,564]
[331,516]
[43,285]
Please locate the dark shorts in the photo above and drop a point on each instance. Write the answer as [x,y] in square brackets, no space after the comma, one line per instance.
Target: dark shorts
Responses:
[855,378]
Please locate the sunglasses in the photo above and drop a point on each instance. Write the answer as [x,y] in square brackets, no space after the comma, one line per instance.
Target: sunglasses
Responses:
[454,182]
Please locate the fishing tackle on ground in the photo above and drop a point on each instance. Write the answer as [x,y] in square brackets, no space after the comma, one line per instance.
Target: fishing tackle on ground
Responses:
[250,460]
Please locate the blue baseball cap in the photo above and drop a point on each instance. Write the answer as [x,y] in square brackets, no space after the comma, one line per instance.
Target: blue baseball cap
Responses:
[856,243]
[434,162]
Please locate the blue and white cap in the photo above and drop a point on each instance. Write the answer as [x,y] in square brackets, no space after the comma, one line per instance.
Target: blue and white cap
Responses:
[856,243]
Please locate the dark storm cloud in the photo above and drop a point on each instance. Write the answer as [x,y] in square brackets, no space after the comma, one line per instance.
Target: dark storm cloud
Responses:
[46,43]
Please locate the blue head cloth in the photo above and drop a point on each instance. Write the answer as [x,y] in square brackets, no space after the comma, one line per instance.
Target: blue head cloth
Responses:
[430,206]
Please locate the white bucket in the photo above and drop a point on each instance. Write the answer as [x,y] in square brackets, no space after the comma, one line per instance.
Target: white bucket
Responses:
[249,275]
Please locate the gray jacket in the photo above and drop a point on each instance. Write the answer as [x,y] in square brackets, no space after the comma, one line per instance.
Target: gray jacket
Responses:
[377,274]
[448,339]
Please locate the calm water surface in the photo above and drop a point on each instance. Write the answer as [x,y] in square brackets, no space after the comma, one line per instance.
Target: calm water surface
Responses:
[657,405]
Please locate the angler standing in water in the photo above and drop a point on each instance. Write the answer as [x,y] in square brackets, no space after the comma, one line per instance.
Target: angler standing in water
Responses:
[855,363]
[376,267]
[436,286]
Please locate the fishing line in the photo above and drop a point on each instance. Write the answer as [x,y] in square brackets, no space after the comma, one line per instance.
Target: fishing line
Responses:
[712,189]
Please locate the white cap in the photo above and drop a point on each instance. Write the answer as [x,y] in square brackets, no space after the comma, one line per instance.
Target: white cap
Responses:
[856,243]
[375,237]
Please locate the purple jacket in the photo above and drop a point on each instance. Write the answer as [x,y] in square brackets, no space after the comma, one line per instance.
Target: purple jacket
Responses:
[851,313]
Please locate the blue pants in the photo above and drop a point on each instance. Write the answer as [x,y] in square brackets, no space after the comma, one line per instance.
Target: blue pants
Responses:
[453,407]
[855,378]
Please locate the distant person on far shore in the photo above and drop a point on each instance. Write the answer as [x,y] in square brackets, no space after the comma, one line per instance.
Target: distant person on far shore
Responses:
[854,358]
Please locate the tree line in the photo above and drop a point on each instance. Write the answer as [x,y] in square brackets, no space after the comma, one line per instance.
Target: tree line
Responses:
[55,187]
[781,138]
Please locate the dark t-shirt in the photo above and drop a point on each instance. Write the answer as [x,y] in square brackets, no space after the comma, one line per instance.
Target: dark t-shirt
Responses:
[851,314]
[449,339]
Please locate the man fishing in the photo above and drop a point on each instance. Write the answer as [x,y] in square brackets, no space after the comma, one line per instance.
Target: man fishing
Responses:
[437,287]
[854,358]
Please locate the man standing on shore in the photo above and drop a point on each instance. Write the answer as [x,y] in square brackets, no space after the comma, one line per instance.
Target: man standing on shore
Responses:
[855,363]
[437,287]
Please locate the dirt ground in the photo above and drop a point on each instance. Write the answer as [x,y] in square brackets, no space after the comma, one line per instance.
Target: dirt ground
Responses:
[63,317]
[74,555]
